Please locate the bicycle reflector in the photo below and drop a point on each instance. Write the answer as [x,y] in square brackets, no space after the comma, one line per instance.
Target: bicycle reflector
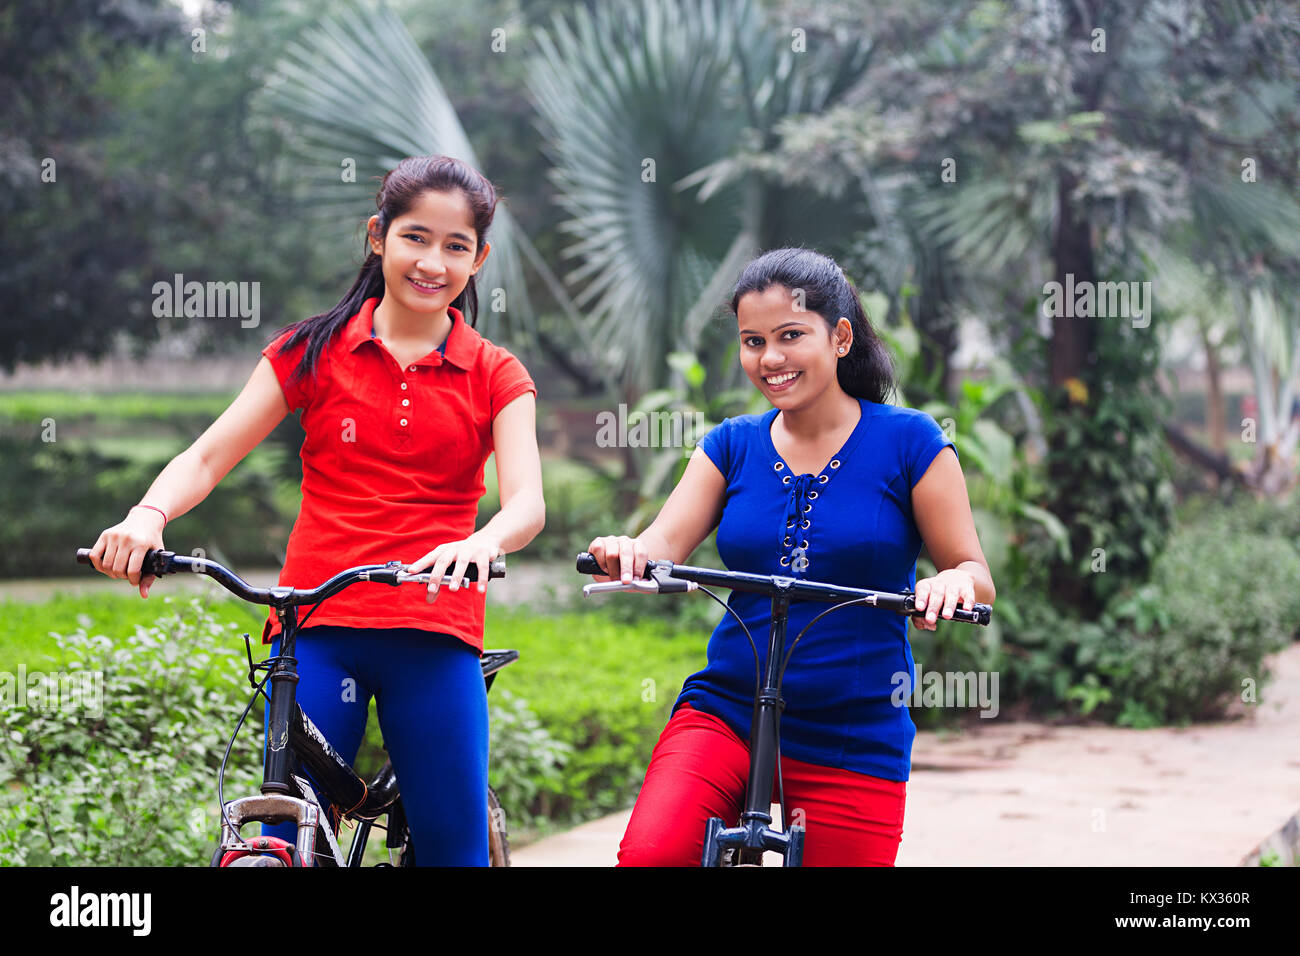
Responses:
[263,846]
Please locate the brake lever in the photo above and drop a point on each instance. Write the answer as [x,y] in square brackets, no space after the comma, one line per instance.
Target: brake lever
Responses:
[660,581]
[642,585]
[395,573]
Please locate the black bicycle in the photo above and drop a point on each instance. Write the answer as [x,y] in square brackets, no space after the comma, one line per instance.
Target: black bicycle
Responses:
[744,845]
[297,748]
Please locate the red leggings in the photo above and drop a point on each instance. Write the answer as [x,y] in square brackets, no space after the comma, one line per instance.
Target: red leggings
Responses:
[699,769]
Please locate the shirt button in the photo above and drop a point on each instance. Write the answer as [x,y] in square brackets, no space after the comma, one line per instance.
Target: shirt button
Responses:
[403,386]
[403,423]
[406,401]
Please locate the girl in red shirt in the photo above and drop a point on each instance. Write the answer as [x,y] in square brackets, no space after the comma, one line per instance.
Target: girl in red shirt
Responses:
[402,402]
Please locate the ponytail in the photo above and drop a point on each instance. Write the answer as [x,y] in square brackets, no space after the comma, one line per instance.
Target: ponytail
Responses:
[866,371]
[320,329]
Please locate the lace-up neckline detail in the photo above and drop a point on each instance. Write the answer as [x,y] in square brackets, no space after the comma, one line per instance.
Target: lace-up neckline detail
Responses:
[803,491]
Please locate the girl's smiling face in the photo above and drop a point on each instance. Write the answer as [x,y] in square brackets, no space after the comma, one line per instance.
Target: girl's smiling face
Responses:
[429,252]
[788,352]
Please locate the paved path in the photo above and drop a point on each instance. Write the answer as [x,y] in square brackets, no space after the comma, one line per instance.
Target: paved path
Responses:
[1028,794]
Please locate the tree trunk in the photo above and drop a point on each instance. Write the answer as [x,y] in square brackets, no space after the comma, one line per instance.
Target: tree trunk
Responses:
[1071,356]
[1214,417]
[1071,353]
[1215,461]
[1072,336]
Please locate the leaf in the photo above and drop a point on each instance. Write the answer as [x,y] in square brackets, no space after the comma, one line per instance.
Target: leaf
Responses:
[347,102]
[1051,524]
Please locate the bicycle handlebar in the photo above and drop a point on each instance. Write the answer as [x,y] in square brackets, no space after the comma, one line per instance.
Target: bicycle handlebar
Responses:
[663,577]
[160,562]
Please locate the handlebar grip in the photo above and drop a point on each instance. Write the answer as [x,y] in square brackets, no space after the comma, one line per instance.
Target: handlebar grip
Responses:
[587,564]
[496,569]
[388,575]
[156,562]
[978,614]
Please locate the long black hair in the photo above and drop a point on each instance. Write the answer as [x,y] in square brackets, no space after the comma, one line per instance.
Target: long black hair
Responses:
[867,370]
[399,190]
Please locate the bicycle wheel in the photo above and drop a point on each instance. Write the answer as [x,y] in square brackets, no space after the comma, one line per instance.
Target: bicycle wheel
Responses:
[498,841]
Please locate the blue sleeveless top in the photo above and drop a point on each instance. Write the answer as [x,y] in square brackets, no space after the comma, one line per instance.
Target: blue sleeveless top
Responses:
[849,525]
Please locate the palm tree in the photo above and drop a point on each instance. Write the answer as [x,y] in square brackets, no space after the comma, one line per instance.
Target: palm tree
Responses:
[654,114]
[354,115]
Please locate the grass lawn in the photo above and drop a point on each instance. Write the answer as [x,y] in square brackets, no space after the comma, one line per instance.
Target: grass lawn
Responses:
[599,684]
[25,626]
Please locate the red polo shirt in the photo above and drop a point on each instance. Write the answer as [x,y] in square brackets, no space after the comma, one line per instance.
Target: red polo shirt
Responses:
[392,466]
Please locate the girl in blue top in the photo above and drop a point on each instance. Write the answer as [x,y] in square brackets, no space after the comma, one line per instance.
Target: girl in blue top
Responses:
[832,484]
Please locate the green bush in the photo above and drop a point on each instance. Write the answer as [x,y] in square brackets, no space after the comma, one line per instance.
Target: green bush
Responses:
[1195,637]
[57,498]
[28,625]
[600,687]
[132,782]
[1177,647]
[580,503]
[183,413]
[526,759]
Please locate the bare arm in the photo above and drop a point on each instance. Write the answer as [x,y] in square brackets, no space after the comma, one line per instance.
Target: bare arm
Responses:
[687,517]
[191,476]
[941,506]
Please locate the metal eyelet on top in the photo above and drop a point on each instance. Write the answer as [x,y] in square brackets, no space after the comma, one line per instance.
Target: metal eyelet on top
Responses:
[786,542]
[806,524]
[823,479]
[803,544]
[789,524]
[785,562]
[778,466]
[835,463]
[785,480]
[812,495]
[807,508]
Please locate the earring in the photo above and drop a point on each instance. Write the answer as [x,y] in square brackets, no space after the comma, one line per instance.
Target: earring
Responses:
[841,350]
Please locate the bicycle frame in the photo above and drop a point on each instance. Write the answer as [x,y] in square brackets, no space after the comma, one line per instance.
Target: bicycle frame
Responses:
[292,739]
[300,739]
[277,804]
[755,835]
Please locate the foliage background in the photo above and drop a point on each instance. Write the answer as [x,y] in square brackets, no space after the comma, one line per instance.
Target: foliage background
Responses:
[1133,485]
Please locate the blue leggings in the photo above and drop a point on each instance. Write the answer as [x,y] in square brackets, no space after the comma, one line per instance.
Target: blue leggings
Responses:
[432,707]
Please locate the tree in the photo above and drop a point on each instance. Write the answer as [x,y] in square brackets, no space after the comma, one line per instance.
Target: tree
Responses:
[71,224]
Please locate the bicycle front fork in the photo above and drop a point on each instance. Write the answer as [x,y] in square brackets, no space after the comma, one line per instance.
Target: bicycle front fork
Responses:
[750,840]
[273,808]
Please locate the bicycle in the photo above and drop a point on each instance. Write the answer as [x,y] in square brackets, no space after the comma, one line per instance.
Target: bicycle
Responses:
[296,745]
[744,845]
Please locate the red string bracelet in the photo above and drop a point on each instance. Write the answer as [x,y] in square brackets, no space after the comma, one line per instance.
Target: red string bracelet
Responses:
[152,508]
